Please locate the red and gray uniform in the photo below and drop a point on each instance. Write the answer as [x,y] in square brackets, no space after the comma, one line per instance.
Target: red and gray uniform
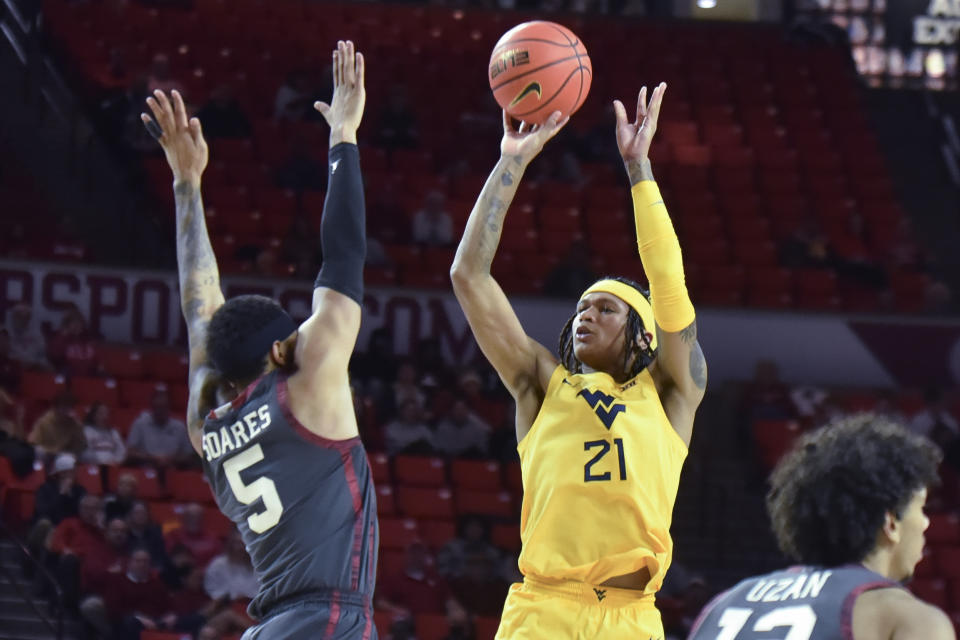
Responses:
[799,603]
[306,509]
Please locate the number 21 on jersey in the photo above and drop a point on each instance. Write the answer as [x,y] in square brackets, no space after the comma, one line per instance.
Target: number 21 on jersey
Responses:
[603,446]
[263,487]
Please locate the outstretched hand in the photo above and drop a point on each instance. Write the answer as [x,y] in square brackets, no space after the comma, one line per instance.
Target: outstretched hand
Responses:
[526,141]
[345,110]
[634,138]
[181,138]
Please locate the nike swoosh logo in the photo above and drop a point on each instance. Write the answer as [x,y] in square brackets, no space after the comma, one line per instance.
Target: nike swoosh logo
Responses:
[527,90]
[565,381]
[334,165]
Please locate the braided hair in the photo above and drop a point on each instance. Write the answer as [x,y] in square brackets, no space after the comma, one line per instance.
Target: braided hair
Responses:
[642,357]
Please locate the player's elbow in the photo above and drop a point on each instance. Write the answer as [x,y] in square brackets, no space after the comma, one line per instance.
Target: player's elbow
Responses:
[463,277]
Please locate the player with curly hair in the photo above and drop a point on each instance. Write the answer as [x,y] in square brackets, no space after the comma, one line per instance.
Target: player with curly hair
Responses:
[847,503]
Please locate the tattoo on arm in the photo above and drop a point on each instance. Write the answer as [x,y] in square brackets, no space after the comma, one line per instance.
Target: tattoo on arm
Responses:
[698,366]
[689,333]
[197,266]
[482,235]
[639,170]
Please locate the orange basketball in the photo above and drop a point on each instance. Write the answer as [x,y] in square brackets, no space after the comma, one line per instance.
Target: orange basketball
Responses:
[538,68]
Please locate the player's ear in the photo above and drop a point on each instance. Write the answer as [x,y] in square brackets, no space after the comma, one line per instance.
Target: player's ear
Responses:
[278,354]
[891,527]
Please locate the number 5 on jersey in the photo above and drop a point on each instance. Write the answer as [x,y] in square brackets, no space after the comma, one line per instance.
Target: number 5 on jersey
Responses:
[261,488]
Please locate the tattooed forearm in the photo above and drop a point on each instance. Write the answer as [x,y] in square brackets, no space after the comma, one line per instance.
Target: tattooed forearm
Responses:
[639,170]
[196,264]
[482,235]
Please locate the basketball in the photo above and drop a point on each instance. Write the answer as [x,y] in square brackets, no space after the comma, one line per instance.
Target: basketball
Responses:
[538,68]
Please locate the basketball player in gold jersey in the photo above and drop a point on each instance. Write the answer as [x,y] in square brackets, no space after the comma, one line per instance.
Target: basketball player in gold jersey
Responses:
[603,432]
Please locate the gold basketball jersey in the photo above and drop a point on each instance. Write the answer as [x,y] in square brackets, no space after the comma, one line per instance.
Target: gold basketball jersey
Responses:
[601,467]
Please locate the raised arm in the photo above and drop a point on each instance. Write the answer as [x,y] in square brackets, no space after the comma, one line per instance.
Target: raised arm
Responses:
[200,294]
[521,362]
[328,337]
[680,365]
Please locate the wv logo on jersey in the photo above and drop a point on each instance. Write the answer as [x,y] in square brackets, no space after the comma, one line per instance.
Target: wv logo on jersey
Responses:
[601,594]
[533,87]
[603,405]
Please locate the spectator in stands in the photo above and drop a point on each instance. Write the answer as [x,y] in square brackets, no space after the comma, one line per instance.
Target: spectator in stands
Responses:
[431,363]
[478,586]
[73,349]
[405,386]
[11,422]
[104,443]
[57,431]
[806,247]
[147,534]
[572,275]
[936,422]
[295,97]
[419,589]
[301,245]
[160,76]
[191,535]
[766,396]
[230,574]
[222,116]
[59,496]
[158,439]
[26,340]
[408,433]
[137,600]
[462,433]
[378,364]
[73,541]
[432,225]
[10,368]
[119,504]
[197,612]
[397,125]
[299,170]
[473,536]
[107,559]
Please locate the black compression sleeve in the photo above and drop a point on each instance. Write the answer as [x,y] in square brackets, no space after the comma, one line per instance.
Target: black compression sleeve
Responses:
[343,238]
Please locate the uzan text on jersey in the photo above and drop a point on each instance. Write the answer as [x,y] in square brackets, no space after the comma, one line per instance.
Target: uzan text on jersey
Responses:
[217,443]
[803,586]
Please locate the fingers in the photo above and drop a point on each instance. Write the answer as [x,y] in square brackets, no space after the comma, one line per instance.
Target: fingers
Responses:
[157,112]
[361,69]
[167,122]
[323,108]
[336,67]
[655,103]
[620,112]
[507,123]
[152,127]
[349,63]
[195,130]
[642,105]
[179,110]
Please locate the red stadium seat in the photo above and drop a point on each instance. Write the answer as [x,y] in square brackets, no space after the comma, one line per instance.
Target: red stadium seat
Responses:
[88,390]
[380,467]
[136,394]
[42,386]
[475,474]
[121,362]
[163,635]
[189,486]
[88,476]
[420,471]
[386,503]
[489,503]
[485,628]
[425,503]
[148,482]
[506,536]
[944,529]
[166,365]
[931,590]
[948,561]
[216,523]
[437,533]
[398,533]
[431,626]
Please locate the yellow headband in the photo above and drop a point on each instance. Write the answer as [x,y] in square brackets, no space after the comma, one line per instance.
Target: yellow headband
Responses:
[632,297]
